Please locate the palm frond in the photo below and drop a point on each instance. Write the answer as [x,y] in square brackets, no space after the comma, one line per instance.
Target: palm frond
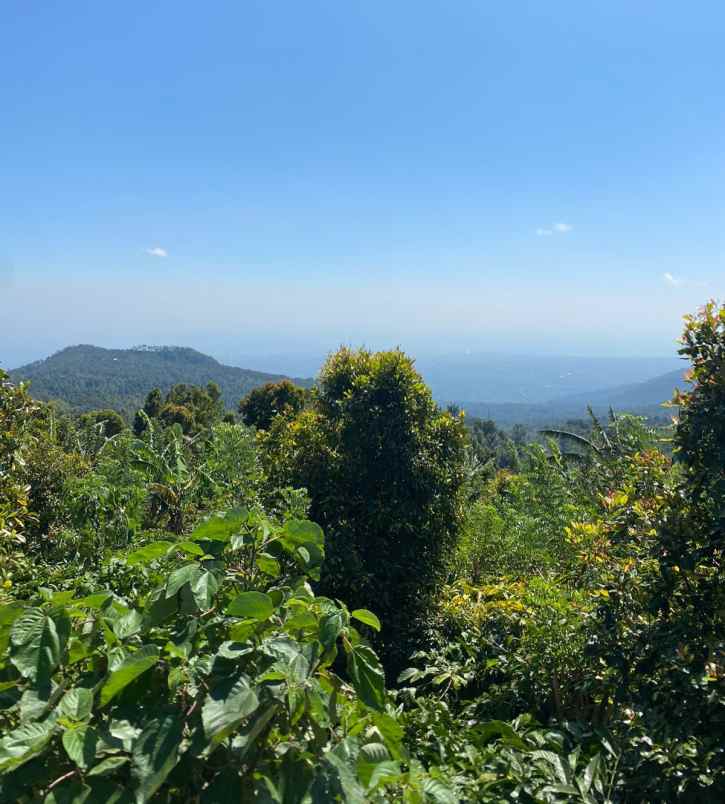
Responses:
[565,435]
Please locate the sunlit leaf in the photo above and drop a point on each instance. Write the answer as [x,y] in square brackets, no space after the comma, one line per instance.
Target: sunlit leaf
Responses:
[129,670]
[148,553]
[251,605]
[367,617]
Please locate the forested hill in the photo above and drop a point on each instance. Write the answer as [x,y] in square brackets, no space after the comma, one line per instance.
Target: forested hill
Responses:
[88,377]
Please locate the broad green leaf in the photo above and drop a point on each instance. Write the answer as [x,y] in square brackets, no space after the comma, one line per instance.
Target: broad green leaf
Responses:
[95,601]
[383,773]
[77,703]
[108,765]
[251,605]
[61,598]
[563,773]
[591,772]
[233,651]
[247,735]
[331,625]
[80,745]
[367,676]
[371,755]
[493,729]
[181,650]
[155,754]
[148,553]
[34,702]
[302,620]
[186,574]
[300,532]
[124,732]
[128,625]
[336,778]
[241,631]
[367,617]
[317,705]
[116,656]
[439,792]
[221,527]
[190,548]
[159,608]
[226,706]
[77,650]
[8,615]
[374,752]
[38,642]
[392,733]
[23,743]
[268,565]
[204,588]
[131,668]
[293,658]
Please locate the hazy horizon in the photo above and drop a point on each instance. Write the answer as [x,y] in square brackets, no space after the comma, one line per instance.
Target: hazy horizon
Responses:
[290,359]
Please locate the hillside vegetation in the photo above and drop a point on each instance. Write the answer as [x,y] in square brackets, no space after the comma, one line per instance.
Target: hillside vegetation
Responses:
[88,377]
[354,597]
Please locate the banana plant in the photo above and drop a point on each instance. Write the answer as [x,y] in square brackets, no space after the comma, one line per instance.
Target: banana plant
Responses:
[173,476]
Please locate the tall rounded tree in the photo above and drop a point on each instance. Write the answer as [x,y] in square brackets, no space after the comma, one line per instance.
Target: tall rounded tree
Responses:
[260,406]
[384,468]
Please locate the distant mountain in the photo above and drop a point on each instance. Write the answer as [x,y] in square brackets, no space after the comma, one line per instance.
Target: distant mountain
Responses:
[88,377]
[634,396]
[532,379]
[642,398]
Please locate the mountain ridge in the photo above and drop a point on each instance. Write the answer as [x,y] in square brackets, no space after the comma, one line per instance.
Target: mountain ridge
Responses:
[87,377]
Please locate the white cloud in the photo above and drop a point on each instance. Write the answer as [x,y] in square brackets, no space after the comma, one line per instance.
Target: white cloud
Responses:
[680,281]
[157,252]
[555,228]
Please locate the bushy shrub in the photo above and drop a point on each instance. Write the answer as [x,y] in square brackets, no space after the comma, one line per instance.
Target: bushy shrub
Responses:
[217,685]
[513,646]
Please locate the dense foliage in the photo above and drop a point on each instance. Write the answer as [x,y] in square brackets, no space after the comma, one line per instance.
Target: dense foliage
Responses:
[174,627]
[193,408]
[384,469]
[208,677]
[260,406]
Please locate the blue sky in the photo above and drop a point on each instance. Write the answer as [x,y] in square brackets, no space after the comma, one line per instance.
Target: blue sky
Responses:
[280,176]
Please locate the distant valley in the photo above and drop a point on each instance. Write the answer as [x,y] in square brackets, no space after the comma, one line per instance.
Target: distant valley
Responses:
[643,398]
